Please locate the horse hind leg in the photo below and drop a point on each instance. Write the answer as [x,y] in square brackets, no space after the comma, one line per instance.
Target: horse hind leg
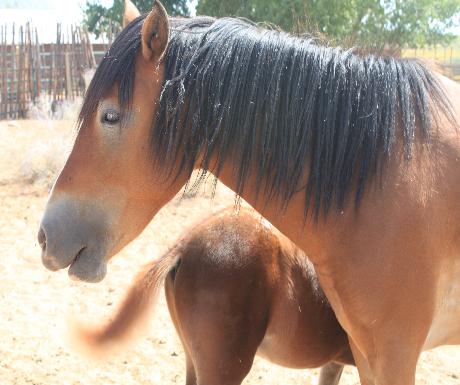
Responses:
[217,350]
[330,374]
[222,321]
[222,347]
[220,353]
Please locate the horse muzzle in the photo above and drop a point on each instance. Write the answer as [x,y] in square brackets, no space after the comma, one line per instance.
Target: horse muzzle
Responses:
[75,234]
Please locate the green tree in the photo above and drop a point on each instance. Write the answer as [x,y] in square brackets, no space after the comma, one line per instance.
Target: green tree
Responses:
[381,23]
[98,19]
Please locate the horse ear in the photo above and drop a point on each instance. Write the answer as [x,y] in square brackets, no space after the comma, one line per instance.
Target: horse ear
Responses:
[155,33]
[131,12]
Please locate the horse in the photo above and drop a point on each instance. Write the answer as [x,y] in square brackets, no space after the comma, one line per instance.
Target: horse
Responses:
[353,157]
[235,287]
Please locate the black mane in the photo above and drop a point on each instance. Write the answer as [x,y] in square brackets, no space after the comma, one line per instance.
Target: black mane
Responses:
[282,107]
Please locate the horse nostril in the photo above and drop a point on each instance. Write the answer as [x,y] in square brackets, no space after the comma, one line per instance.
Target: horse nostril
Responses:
[42,239]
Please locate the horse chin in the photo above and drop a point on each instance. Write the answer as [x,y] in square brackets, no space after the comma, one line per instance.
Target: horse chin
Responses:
[88,267]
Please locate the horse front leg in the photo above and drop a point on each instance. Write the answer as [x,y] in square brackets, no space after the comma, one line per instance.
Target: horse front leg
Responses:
[365,373]
[391,363]
[190,377]
[386,305]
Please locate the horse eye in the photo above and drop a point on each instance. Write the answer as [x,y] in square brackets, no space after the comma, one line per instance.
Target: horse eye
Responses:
[111,117]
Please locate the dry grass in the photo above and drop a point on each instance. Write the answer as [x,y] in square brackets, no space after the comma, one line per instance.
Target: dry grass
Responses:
[40,156]
[36,304]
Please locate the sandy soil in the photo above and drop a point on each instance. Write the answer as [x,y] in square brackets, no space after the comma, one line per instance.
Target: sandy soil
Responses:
[36,305]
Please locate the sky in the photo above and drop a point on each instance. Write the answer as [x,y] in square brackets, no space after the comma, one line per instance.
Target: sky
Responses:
[45,14]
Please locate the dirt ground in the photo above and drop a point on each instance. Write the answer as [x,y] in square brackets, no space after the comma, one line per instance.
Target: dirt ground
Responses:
[37,305]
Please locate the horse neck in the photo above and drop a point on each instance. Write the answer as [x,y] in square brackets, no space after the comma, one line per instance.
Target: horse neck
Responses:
[290,219]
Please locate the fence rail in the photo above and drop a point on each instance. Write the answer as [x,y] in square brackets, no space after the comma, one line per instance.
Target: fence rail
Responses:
[447,57]
[30,70]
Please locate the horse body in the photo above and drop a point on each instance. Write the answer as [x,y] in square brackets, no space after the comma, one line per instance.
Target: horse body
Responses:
[292,323]
[408,255]
[380,130]
[403,243]
[235,287]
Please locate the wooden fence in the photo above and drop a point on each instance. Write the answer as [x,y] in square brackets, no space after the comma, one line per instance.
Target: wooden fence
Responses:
[30,70]
[447,57]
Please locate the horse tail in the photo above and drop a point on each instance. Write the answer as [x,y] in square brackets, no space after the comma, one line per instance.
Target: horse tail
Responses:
[132,315]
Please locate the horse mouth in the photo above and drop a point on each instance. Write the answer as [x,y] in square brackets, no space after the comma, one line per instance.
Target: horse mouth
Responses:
[87,266]
[75,260]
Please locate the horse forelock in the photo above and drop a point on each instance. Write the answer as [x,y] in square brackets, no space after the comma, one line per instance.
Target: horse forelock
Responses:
[281,106]
[117,68]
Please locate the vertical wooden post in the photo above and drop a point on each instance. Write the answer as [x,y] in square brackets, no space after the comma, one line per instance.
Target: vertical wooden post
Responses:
[89,48]
[14,84]
[19,95]
[68,75]
[2,75]
[56,56]
[38,63]
[29,72]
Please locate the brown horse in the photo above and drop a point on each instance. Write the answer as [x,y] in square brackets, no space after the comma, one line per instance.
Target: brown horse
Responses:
[354,158]
[236,287]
